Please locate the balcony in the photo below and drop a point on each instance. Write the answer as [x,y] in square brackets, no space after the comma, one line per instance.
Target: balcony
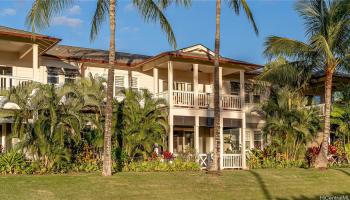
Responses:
[205,100]
[8,82]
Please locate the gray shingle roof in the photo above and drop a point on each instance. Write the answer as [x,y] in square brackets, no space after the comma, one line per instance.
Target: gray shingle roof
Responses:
[93,55]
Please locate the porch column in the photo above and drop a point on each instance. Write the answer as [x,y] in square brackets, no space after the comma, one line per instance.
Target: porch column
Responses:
[35,62]
[196,134]
[171,117]
[3,137]
[170,83]
[195,85]
[221,143]
[155,81]
[242,96]
[171,134]
[221,121]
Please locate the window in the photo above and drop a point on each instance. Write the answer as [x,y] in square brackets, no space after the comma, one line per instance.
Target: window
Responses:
[70,75]
[134,84]
[247,140]
[257,140]
[182,86]
[5,82]
[119,82]
[256,98]
[53,75]
[235,88]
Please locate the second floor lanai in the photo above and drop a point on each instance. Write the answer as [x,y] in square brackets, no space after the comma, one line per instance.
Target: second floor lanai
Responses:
[185,78]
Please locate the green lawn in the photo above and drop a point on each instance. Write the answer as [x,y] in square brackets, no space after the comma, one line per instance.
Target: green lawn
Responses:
[253,184]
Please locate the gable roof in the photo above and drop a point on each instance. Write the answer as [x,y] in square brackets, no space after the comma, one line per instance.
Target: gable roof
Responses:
[93,55]
[201,53]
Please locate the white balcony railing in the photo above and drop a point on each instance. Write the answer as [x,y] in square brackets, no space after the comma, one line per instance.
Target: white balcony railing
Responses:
[205,100]
[8,82]
[183,98]
[232,161]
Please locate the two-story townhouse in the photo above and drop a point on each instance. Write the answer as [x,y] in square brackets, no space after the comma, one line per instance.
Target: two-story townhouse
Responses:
[183,77]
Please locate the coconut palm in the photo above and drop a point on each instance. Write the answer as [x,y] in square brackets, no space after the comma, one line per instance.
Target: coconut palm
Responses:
[144,122]
[327,48]
[236,5]
[289,124]
[42,11]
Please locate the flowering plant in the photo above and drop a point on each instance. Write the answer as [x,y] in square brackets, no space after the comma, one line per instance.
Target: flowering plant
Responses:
[168,155]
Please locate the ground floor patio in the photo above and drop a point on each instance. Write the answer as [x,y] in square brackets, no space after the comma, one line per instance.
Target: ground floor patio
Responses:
[300,184]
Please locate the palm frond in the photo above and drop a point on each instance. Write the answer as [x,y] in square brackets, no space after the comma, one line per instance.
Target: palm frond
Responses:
[102,9]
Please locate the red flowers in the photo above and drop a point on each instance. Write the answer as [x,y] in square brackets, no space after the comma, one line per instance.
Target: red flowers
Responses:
[168,155]
[332,149]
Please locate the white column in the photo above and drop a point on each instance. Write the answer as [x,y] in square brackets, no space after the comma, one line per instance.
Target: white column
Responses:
[196,134]
[195,84]
[171,134]
[171,117]
[221,121]
[3,137]
[170,83]
[242,95]
[36,62]
[155,81]
[221,143]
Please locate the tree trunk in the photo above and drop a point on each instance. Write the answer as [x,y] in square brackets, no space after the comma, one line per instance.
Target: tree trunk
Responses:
[321,160]
[217,107]
[107,161]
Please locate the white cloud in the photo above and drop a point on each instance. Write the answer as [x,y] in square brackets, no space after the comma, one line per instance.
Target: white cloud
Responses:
[129,7]
[75,10]
[130,29]
[8,12]
[67,21]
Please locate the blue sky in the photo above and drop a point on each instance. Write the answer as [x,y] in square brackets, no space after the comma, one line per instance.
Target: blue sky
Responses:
[191,26]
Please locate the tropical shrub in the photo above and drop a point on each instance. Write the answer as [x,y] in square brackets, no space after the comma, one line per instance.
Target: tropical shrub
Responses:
[269,158]
[12,163]
[161,166]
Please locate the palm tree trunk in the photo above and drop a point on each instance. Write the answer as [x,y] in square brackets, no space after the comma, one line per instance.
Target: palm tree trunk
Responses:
[107,161]
[321,160]
[216,161]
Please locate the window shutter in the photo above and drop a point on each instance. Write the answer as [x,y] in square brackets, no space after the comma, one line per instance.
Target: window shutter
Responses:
[119,81]
[134,82]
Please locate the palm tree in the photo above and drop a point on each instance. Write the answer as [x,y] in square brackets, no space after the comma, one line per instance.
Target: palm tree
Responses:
[327,48]
[236,5]
[144,122]
[43,10]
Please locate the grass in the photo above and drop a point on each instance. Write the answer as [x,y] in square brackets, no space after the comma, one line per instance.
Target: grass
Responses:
[253,184]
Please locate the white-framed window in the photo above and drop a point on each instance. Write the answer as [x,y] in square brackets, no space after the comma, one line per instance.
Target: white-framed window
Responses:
[70,75]
[247,140]
[183,86]
[53,74]
[134,84]
[258,140]
[119,84]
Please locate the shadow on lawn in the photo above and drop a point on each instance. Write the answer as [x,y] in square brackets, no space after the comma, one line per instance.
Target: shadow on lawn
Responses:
[344,171]
[319,197]
[261,184]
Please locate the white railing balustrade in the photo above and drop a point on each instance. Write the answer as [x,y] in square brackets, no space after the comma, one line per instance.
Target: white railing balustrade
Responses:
[205,100]
[232,161]
[8,82]
[204,160]
[183,98]
[231,102]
